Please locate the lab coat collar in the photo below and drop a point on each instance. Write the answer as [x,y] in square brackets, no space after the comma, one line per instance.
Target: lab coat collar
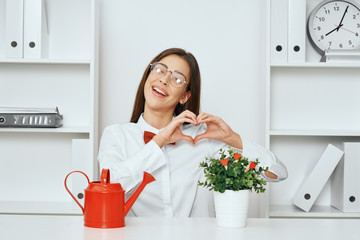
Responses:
[145,126]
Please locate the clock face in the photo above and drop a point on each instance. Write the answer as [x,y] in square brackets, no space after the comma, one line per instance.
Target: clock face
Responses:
[335,24]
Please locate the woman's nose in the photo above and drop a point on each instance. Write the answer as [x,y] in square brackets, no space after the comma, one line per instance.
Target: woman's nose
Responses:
[165,79]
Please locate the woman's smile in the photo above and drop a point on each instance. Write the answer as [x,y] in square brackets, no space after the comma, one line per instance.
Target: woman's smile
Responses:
[159,92]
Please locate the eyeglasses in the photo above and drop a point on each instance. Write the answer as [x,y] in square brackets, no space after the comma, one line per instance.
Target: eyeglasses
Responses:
[159,70]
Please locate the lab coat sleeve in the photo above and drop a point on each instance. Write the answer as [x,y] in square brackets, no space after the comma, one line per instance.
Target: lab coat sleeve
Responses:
[253,151]
[266,158]
[128,170]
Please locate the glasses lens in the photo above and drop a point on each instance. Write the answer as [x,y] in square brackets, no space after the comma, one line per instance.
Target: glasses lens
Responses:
[158,70]
[177,79]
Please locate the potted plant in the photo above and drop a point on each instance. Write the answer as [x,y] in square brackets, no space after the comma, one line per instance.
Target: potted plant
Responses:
[232,177]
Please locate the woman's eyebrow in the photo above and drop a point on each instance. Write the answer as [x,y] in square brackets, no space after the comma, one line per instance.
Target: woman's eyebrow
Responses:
[180,73]
[163,65]
[174,70]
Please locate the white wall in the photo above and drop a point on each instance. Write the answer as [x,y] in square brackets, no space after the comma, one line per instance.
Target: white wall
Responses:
[227,37]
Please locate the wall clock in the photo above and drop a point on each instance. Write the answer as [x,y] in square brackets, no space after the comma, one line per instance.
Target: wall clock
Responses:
[335,24]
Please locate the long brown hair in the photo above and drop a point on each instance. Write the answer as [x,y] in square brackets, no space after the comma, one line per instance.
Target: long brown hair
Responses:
[193,104]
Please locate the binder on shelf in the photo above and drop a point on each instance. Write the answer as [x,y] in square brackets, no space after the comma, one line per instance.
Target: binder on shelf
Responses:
[35,29]
[2,28]
[14,28]
[312,185]
[345,184]
[15,117]
[296,30]
[81,161]
[279,31]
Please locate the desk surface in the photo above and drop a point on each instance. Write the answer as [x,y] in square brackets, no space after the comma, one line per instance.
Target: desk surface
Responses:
[41,227]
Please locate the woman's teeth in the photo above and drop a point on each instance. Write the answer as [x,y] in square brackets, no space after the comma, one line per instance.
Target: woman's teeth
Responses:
[159,91]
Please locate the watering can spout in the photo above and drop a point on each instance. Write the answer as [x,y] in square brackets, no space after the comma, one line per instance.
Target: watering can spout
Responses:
[148,178]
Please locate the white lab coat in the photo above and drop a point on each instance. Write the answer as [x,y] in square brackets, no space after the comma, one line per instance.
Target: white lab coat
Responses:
[175,193]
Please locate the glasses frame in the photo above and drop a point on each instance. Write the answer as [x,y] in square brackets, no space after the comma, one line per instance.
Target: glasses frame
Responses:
[152,65]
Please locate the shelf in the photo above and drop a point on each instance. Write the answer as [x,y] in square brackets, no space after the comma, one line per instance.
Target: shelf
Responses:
[278,211]
[309,104]
[354,133]
[46,61]
[317,65]
[39,207]
[67,78]
[74,129]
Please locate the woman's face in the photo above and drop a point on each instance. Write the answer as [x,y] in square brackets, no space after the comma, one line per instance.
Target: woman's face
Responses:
[160,94]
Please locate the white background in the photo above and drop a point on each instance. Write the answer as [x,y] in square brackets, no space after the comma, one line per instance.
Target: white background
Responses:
[227,37]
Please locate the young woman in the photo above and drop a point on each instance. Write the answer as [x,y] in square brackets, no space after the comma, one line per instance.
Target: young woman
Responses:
[168,138]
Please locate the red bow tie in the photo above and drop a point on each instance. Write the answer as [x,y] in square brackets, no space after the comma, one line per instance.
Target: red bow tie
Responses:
[148,136]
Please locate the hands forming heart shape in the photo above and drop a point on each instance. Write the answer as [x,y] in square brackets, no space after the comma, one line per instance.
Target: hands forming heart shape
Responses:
[216,129]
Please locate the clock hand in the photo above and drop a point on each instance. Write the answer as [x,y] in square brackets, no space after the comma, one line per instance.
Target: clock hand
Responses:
[356,34]
[333,30]
[340,24]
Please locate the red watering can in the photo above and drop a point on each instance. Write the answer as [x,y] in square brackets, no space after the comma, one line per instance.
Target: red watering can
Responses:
[104,204]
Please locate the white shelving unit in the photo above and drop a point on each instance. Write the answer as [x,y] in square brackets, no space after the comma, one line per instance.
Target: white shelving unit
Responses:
[35,161]
[309,105]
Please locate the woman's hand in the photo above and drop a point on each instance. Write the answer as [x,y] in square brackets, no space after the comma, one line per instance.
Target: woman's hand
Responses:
[218,129]
[172,132]
[271,175]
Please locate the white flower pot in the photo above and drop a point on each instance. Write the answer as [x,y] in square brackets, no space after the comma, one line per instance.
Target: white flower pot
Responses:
[231,208]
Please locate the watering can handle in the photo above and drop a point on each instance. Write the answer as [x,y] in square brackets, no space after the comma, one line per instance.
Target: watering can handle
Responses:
[105,176]
[82,208]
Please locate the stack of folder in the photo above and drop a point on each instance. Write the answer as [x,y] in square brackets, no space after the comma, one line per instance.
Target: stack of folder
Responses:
[345,183]
[26,29]
[288,31]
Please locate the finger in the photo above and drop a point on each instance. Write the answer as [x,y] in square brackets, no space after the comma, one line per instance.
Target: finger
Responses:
[190,112]
[205,119]
[180,121]
[187,138]
[202,116]
[211,118]
[200,136]
[187,114]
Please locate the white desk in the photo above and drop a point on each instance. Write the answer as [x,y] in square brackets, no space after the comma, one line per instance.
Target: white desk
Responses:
[41,227]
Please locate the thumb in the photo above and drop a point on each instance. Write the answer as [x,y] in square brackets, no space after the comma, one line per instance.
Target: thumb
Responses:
[200,136]
[187,138]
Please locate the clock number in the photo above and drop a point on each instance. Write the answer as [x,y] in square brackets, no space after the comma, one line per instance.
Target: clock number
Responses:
[340,45]
[318,28]
[327,11]
[330,44]
[354,16]
[358,25]
[322,37]
[322,19]
[336,8]
[350,42]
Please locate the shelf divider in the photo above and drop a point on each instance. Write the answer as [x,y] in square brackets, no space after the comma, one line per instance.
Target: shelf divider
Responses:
[39,207]
[293,132]
[45,61]
[317,65]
